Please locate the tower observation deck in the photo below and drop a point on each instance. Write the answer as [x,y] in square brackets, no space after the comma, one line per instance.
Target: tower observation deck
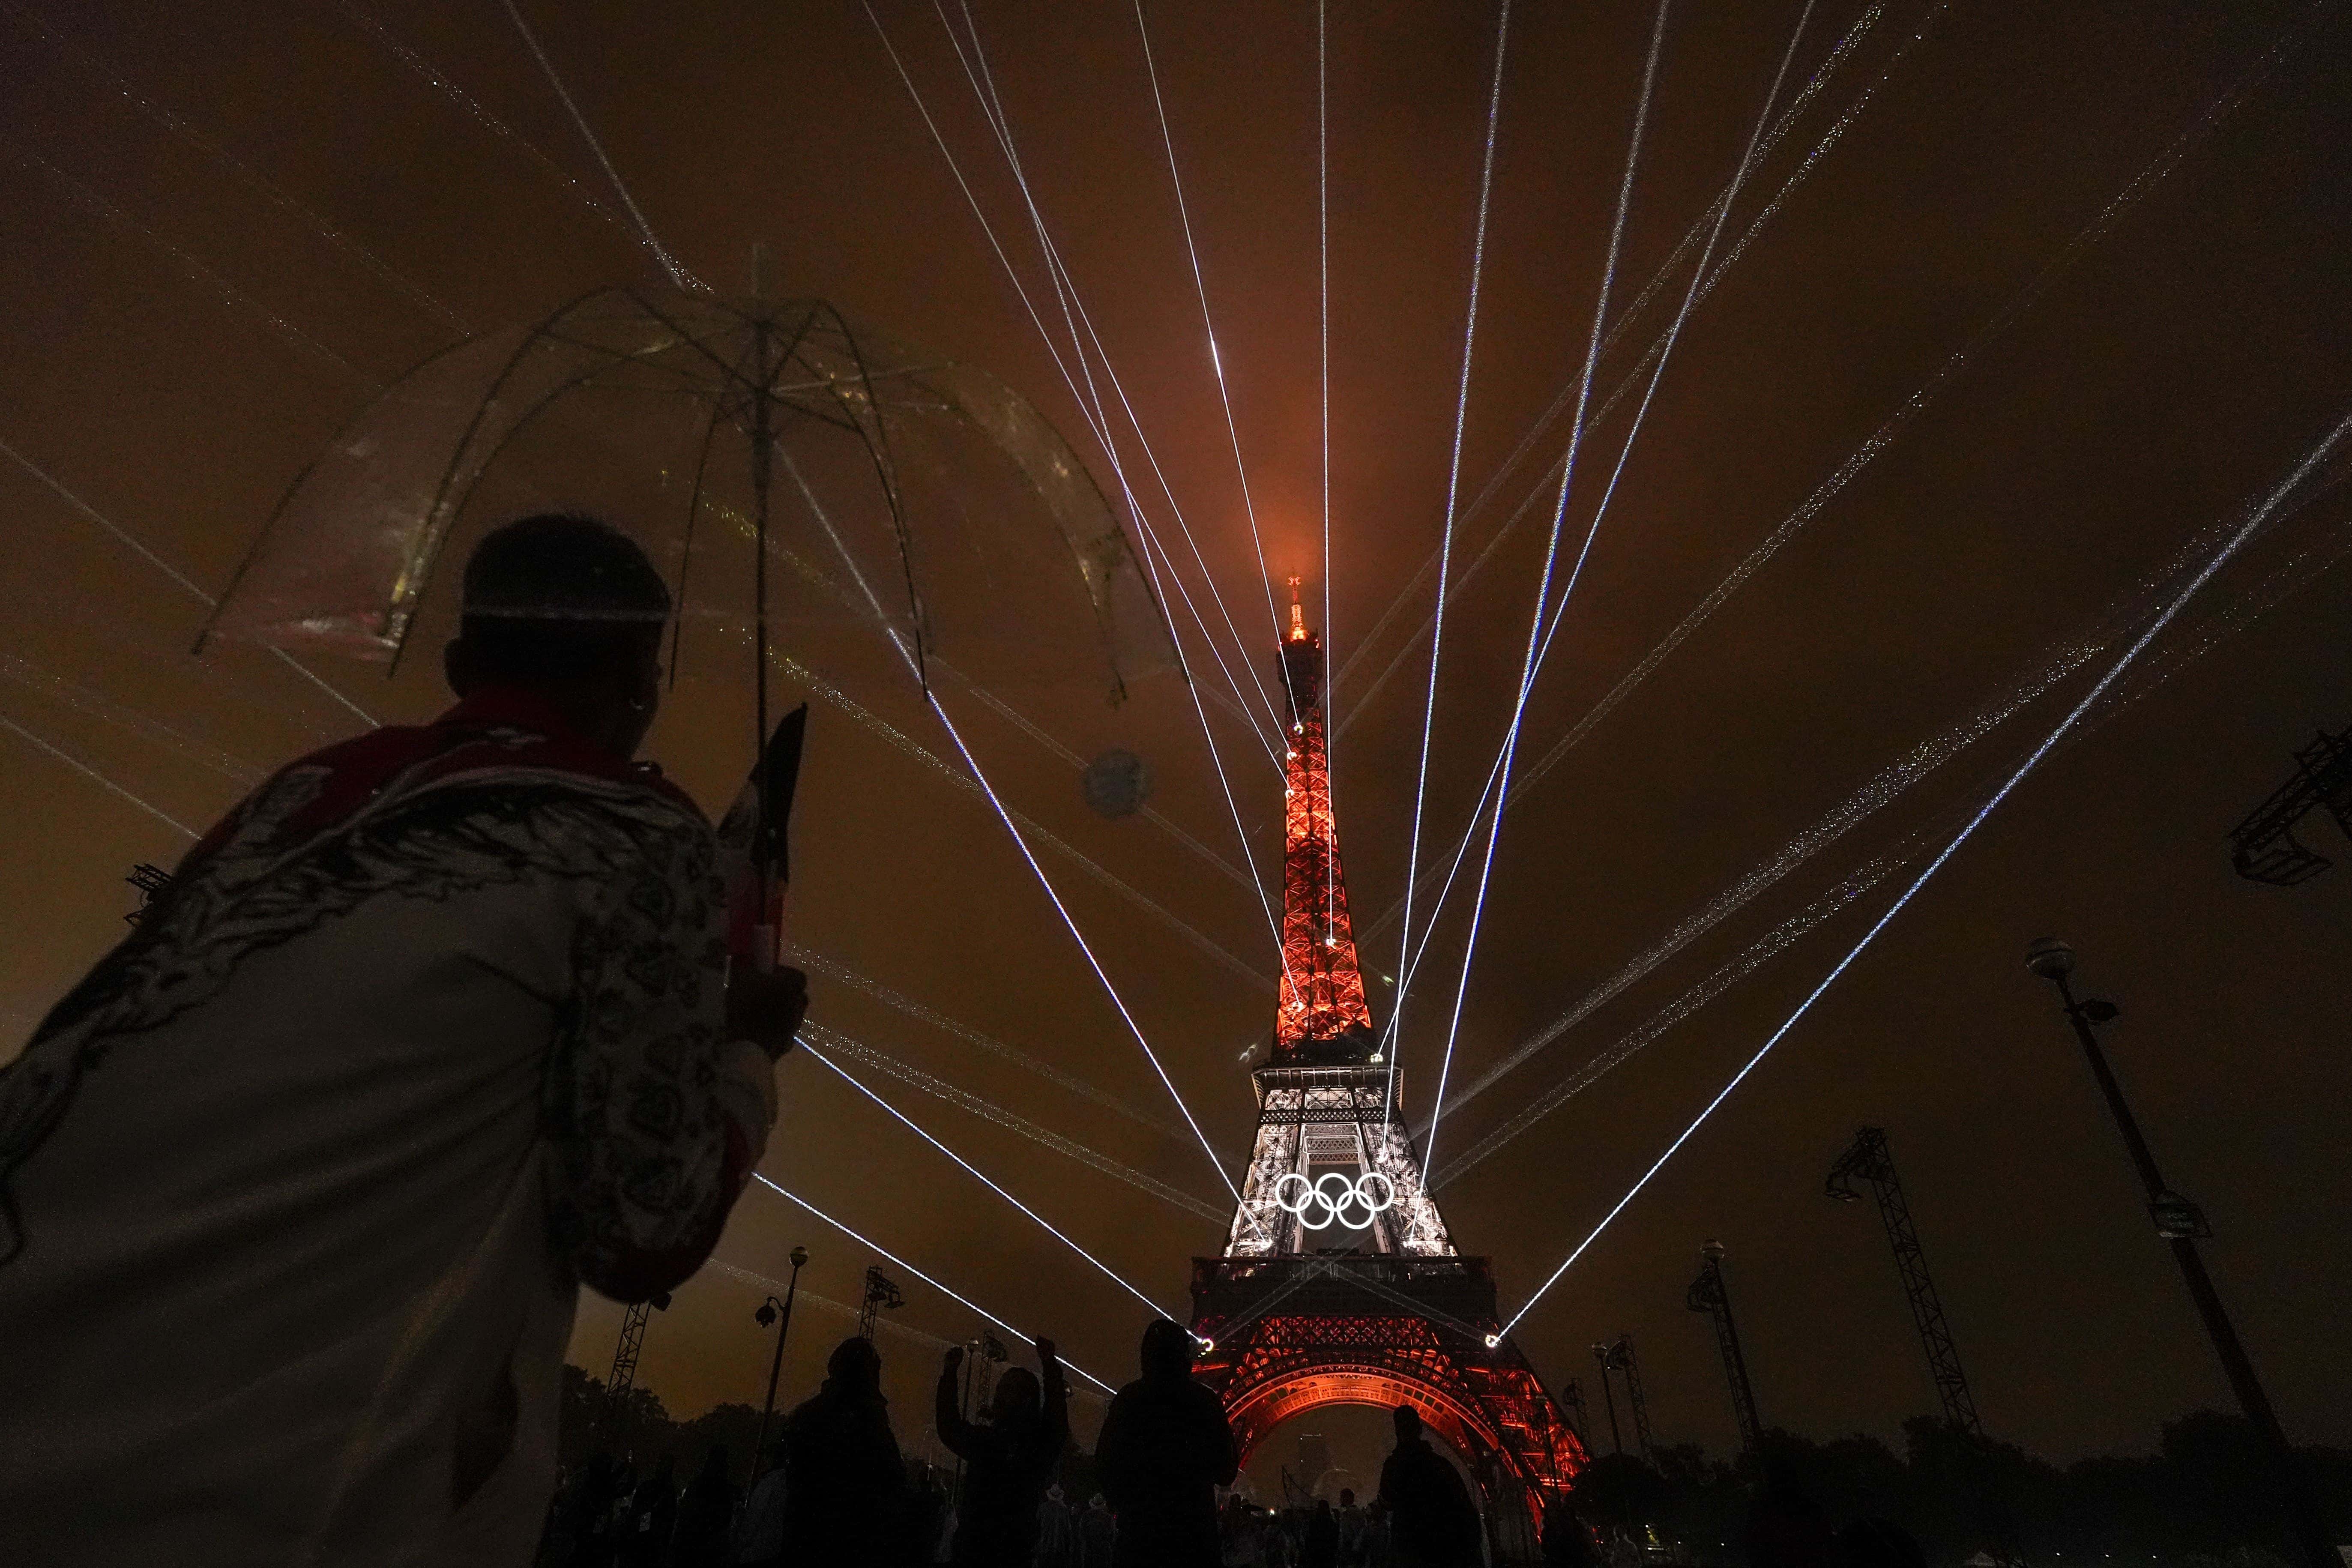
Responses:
[1340,1282]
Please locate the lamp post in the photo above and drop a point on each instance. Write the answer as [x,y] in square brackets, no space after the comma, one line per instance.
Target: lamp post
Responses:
[781,1314]
[2180,1224]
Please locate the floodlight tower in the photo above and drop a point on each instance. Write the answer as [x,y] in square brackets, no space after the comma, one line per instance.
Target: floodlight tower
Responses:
[624,1354]
[881,1292]
[2180,1223]
[1571,1405]
[1707,1294]
[151,881]
[1618,1356]
[1867,1159]
[1608,1400]
[2263,847]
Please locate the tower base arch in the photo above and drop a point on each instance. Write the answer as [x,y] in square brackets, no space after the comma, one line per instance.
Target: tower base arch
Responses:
[1292,1334]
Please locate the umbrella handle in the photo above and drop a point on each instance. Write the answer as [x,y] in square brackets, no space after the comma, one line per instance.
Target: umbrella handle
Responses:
[768,935]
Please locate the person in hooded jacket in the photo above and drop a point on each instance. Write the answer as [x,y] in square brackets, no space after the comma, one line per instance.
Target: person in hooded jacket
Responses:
[1008,1460]
[1436,1524]
[844,1499]
[1165,1449]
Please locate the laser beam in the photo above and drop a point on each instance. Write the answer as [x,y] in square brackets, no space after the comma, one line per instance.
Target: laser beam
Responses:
[1101,433]
[1446,539]
[966,1301]
[989,1111]
[131,542]
[1559,403]
[96,777]
[1208,324]
[2259,515]
[1892,427]
[2155,668]
[1502,774]
[990,1183]
[678,275]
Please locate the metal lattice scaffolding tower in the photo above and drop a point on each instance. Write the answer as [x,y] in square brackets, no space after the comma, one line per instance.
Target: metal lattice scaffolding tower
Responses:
[1707,1294]
[1618,1356]
[1867,1159]
[624,1354]
[2263,846]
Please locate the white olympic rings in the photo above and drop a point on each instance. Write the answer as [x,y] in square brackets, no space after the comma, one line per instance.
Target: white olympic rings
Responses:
[1319,1199]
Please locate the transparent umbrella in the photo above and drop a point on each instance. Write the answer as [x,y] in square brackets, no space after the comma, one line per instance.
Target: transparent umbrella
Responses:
[803,479]
[920,502]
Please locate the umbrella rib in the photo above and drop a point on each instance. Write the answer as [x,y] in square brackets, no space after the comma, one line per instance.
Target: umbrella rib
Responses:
[422,562]
[686,552]
[685,338]
[886,471]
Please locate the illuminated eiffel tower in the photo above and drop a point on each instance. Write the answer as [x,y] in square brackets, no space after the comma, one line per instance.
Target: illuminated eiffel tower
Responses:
[1339,1283]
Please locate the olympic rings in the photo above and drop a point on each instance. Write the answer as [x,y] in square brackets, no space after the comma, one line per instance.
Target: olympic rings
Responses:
[1329,1204]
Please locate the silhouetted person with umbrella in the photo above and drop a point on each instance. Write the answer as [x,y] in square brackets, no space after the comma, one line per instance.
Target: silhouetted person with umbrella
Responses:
[1164,1450]
[1009,1459]
[432,1027]
[1435,1524]
[845,1492]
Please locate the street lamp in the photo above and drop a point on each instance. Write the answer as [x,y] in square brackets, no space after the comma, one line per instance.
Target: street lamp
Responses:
[781,1314]
[2180,1224]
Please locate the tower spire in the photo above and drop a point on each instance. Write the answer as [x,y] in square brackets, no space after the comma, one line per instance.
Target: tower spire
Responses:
[1323,1011]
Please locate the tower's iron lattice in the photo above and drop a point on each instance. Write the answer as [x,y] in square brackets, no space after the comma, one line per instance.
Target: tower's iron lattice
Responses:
[1867,1159]
[1340,1282]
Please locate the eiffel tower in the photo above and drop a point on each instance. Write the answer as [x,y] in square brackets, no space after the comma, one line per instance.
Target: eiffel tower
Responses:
[1340,1282]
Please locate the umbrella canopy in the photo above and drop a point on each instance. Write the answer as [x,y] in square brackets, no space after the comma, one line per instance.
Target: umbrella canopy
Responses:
[882,510]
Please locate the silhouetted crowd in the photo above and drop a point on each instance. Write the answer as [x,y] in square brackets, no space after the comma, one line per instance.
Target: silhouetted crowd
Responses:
[834,1488]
